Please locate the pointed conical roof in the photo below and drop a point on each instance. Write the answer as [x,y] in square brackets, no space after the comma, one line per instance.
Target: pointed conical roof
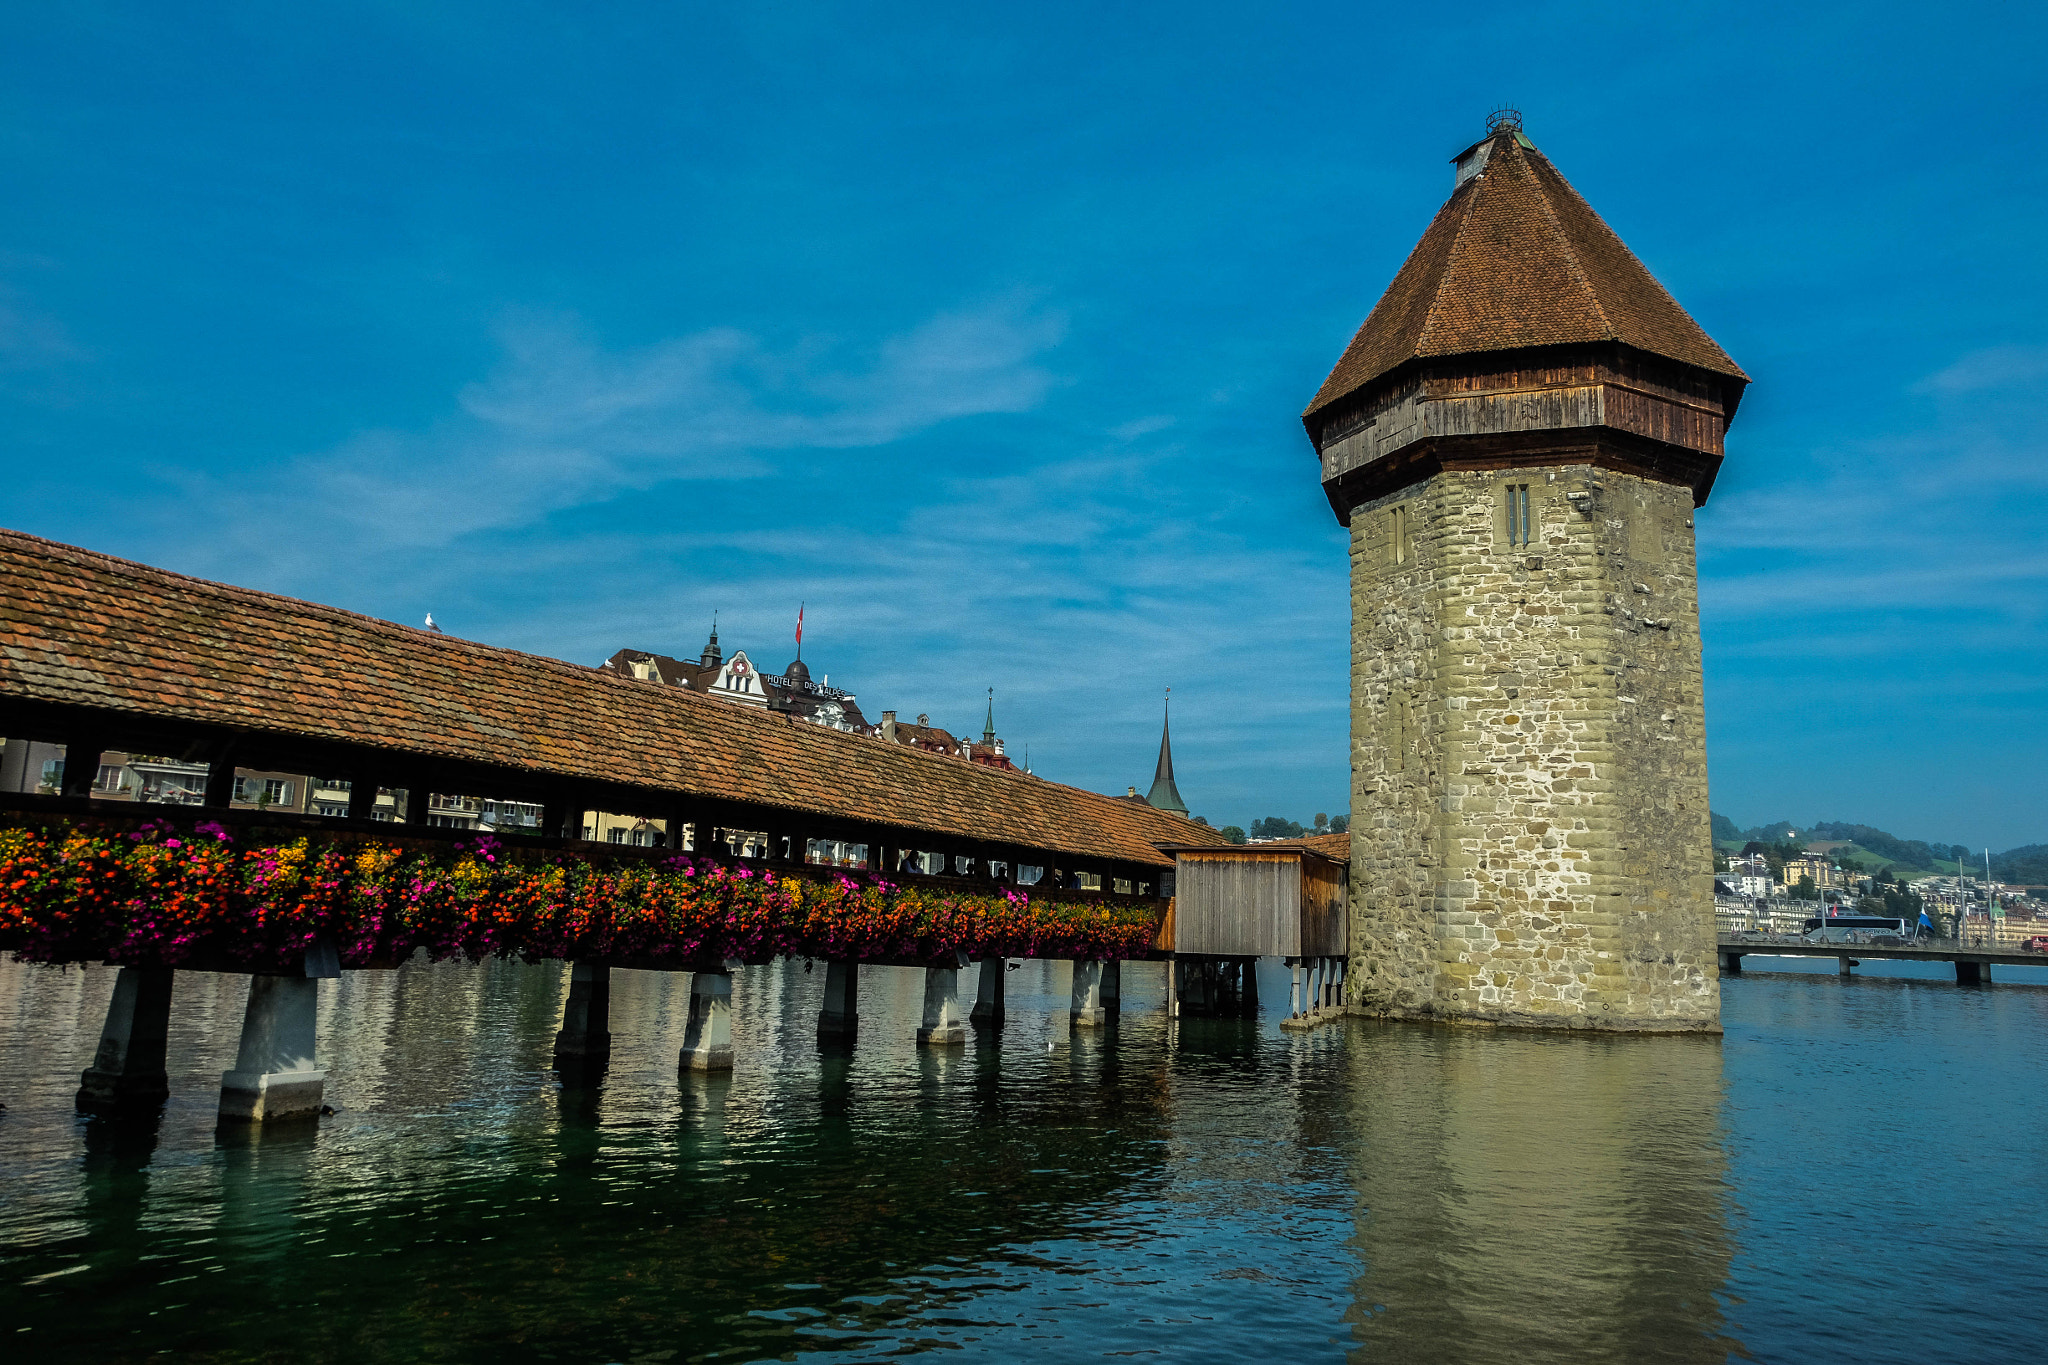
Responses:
[1516,258]
[1164,795]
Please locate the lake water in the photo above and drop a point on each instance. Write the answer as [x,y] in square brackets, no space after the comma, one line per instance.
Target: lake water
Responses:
[1857,1170]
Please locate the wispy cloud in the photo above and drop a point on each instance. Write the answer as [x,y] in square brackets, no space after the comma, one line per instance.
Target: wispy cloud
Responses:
[564,422]
[31,339]
[1997,367]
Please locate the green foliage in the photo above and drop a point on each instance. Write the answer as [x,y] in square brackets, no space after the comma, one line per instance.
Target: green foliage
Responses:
[2026,865]
[1911,852]
[1724,829]
[1231,834]
[1274,827]
[1340,824]
[1805,890]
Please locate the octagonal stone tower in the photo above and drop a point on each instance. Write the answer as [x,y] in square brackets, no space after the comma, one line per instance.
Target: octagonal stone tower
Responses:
[1517,438]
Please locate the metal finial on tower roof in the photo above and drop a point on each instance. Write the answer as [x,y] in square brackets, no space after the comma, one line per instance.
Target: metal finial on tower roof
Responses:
[988,728]
[1504,120]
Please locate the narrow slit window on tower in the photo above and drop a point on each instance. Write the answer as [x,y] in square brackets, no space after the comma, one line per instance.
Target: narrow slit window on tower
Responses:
[1398,549]
[1520,530]
[1397,732]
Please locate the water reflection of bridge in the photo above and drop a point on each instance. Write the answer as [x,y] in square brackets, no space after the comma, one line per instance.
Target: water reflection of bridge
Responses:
[1213,1184]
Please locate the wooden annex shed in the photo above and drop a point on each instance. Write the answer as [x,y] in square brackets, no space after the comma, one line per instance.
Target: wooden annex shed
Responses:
[1285,899]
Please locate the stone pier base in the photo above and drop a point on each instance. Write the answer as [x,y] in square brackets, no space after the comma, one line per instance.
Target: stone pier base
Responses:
[128,1070]
[1087,1004]
[585,1038]
[707,1044]
[839,1016]
[274,1075]
[943,1025]
[988,998]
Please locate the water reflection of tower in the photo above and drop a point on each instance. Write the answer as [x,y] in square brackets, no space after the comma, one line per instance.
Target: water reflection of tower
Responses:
[1529,1199]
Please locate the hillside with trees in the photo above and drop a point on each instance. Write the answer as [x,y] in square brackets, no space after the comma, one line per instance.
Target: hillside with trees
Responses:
[1875,849]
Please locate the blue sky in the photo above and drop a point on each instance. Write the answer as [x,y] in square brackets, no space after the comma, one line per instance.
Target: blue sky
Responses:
[985,332]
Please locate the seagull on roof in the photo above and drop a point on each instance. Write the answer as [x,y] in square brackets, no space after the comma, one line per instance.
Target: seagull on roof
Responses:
[431,626]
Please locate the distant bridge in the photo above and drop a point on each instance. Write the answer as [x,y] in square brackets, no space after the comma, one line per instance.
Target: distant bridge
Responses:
[1973,965]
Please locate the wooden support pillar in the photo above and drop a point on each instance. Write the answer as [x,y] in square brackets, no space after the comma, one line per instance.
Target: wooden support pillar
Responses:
[362,796]
[1112,991]
[82,750]
[220,782]
[1297,993]
[839,1016]
[561,817]
[1173,988]
[1843,964]
[275,1076]
[128,1070]
[988,997]
[585,1038]
[1248,999]
[1226,995]
[707,1043]
[415,799]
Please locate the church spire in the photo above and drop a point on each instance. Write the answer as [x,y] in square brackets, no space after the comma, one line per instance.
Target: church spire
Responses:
[713,656]
[1164,795]
[988,727]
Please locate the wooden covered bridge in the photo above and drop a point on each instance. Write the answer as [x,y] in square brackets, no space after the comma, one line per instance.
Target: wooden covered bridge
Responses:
[100,654]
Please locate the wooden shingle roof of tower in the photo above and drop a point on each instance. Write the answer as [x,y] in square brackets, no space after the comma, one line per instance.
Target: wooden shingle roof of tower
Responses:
[1517,272]
[1515,258]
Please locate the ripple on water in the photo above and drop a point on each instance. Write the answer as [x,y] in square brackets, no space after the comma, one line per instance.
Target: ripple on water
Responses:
[1214,1190]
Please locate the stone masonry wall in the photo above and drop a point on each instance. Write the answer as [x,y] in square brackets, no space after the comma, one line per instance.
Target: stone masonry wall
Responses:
[1530,838]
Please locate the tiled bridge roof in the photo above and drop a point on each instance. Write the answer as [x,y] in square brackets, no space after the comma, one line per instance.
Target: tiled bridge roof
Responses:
[85,630]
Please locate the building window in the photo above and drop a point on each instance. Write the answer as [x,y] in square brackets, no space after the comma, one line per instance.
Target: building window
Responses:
[109,779]
[1028,875]
[616,834]
[1400,547]
[1088,881]
[1515,509]
[53,773]
[1122,887]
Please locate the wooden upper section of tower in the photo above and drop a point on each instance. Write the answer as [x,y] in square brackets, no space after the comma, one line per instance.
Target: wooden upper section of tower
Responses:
[1521,331]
